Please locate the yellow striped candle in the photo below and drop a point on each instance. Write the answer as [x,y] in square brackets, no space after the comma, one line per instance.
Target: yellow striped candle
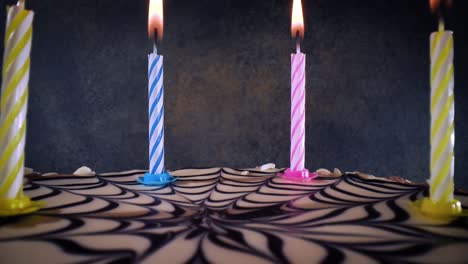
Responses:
[441,200]
[13,107]
[442,116]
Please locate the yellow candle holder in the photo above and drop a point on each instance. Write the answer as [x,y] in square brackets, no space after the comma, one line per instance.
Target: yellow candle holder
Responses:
[19,206]
[441,209]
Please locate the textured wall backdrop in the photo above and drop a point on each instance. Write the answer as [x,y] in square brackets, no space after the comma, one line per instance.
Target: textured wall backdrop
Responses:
[227,66]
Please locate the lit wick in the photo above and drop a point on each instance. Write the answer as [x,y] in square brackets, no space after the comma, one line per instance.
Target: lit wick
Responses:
[440,7]
[441,24]
[298,42]
[155,41]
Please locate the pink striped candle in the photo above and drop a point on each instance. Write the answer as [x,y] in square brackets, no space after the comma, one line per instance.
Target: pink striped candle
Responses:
[297,171]
[297,110]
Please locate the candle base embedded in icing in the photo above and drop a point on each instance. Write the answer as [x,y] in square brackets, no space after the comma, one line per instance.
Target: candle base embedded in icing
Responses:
[18,206]
[441,209]
[156,179]
[298,176]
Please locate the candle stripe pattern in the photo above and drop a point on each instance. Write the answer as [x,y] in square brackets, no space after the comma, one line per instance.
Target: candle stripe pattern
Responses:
[156,113]
[13,102]
[297,111]
[442,117]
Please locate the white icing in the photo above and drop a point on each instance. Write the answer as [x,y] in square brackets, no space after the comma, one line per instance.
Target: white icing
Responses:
[50,174]
[267,166]
[337,171]
[28,170]
[323,172]
[84,171]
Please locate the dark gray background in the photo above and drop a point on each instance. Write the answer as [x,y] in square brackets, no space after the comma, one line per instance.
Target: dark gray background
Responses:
[227,79]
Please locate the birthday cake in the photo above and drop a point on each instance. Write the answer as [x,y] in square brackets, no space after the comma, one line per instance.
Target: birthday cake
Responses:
[222,215]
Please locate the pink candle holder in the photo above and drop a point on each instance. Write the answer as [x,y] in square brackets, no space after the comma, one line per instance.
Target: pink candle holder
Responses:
[298,176]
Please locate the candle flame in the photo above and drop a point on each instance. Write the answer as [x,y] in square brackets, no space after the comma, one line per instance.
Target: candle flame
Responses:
[155,18]
[437,5]
[297,19]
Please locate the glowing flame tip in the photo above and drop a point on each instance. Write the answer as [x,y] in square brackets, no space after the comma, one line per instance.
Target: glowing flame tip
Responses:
[439,5]
[297,19]
[155,18]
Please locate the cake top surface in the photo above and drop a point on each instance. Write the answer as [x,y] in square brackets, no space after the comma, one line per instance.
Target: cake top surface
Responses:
[222,215]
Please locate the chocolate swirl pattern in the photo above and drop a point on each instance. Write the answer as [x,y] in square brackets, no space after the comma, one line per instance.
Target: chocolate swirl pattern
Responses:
[219,215]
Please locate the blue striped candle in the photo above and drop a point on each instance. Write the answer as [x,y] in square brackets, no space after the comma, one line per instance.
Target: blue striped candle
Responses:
[156,175]
[156,113]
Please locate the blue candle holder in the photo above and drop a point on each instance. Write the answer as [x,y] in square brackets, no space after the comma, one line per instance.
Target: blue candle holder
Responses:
[156,179]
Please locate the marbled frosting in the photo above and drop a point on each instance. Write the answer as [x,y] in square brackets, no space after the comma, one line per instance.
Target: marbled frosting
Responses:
[222,216]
